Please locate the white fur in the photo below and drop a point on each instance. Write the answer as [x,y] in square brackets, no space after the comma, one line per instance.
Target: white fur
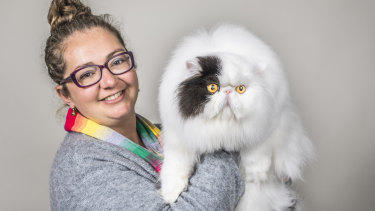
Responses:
[261,123]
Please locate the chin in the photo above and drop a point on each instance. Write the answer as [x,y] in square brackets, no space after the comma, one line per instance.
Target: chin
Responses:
[120,112]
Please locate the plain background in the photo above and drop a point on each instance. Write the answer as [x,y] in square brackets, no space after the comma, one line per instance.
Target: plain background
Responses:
[327,48]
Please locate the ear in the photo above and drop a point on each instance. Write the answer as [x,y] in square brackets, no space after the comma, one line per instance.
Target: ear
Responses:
[193,66]
[62,95]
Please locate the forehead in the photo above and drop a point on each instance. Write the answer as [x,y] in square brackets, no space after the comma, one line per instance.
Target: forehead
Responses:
[90,37]
[91,45]
[235,70]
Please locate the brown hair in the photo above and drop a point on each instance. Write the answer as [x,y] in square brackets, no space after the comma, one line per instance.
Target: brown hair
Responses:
[65,18]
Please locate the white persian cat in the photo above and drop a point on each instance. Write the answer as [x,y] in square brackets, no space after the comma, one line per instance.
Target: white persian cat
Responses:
[225,89]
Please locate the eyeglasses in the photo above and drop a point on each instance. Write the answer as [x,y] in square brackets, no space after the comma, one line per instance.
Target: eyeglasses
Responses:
[91,74]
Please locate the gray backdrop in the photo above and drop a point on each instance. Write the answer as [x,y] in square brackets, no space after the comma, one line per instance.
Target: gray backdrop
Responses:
[327,48]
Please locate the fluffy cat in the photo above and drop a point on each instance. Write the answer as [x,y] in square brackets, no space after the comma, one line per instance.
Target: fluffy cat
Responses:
[225,89]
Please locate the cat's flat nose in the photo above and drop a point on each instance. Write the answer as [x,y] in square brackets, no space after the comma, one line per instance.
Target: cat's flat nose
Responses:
[227,89]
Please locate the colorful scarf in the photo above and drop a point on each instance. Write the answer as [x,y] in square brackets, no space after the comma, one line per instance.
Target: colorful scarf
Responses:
[148,132]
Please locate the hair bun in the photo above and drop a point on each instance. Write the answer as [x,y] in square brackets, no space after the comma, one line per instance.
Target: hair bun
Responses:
[62,11]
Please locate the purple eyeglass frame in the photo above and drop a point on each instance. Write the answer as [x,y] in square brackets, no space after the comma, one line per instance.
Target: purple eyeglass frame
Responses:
[72,76]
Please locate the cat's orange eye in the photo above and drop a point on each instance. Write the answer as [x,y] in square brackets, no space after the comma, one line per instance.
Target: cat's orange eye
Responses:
[241,89]
[212,88]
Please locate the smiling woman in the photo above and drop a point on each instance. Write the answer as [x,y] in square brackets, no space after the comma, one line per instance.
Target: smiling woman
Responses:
[109,101]
[111,156]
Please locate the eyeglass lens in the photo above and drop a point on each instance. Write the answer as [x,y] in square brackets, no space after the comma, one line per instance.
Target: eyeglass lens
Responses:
[92,74]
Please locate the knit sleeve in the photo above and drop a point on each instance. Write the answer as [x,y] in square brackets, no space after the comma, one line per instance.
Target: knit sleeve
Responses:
[102,177]
[216,184]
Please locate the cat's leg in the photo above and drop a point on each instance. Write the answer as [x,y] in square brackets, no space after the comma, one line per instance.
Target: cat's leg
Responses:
[256,162]
[269,196]
[292,148]
[178,166]
[255,165]
[253,199]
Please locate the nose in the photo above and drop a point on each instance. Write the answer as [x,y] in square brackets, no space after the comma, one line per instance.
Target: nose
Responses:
[108,79]
[227,89]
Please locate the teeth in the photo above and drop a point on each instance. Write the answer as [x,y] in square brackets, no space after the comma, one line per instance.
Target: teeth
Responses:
[112,97]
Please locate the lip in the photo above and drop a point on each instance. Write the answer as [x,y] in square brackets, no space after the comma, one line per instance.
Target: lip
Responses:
[114,100]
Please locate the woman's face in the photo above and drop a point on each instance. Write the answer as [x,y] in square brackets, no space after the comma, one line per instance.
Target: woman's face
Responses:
[111,101]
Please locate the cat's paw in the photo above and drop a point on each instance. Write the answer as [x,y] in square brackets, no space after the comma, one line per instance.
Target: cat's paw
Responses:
[171,191]
[258,171]
[256,177]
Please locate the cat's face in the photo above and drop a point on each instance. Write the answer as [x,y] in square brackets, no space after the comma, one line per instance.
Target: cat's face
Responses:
[223,86]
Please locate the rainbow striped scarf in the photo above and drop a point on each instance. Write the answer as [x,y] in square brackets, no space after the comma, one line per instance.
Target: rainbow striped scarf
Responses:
[148,132]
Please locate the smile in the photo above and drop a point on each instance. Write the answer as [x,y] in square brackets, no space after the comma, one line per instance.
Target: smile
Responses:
[114,96]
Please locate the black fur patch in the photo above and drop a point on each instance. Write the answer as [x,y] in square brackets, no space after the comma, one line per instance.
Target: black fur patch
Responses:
[193,93]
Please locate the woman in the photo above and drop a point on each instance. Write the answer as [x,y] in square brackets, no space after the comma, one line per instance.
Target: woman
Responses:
[110,157]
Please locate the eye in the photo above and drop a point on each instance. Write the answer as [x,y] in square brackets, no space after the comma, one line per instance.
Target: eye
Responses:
[86,74]
[212,88]
[117,61]
[241,89]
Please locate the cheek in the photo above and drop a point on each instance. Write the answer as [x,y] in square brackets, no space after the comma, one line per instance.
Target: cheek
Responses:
[241,104]
[215,105]
[83,97]
[130,78]
[256,102]
[192,100]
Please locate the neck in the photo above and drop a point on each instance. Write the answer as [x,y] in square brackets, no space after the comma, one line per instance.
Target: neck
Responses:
[129,130]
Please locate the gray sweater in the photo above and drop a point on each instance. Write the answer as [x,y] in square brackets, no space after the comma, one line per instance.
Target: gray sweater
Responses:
[89,174]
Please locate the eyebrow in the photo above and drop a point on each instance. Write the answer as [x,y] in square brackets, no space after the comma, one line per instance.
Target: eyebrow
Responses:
[107,58]
[114,52]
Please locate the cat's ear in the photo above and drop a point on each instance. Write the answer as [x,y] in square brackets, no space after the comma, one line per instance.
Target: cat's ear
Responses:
[193,66]
[260,67]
